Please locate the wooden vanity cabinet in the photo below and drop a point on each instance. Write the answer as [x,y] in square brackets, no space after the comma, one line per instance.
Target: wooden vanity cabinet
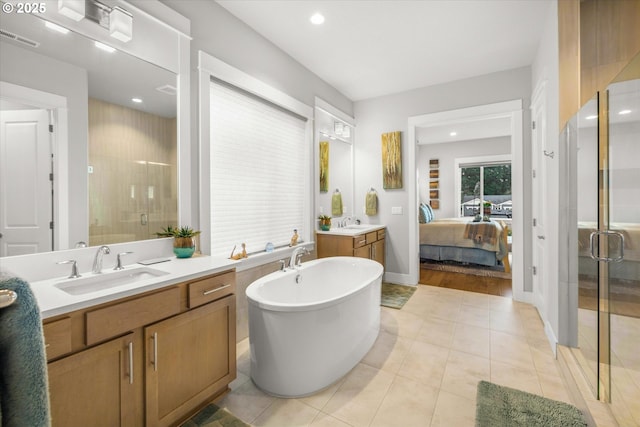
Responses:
[367,245]
[189,358]
[147,360]
[97,387]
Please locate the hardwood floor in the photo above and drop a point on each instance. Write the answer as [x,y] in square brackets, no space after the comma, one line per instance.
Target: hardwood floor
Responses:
[466,282]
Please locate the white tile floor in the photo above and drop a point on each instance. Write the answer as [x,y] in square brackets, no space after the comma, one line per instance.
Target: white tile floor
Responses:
[423,369]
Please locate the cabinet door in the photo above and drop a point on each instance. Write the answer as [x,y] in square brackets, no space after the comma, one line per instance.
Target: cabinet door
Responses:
[362,251]
[95,387]
[377,251]
[190,358]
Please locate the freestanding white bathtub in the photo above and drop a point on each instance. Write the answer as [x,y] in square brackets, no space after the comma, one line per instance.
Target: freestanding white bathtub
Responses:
[309,327]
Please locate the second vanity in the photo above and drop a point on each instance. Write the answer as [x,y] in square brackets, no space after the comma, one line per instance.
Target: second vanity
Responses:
[361,240]
[151,352]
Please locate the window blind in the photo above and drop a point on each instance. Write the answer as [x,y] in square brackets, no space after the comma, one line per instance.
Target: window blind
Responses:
[259,158]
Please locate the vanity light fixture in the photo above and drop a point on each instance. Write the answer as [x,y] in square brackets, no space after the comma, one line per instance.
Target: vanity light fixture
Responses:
[120,24]
[592,117]
[72,9]
[104,47]
[623,112]
[317,19]
[56,27]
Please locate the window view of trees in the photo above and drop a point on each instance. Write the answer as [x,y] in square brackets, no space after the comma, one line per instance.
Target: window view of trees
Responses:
[486,188]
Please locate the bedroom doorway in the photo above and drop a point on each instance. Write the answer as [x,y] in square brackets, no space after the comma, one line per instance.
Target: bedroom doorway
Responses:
[509,116]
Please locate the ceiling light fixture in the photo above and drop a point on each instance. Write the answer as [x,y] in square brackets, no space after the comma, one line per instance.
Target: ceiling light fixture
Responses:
[120,24]
[592,117]
[55,27]
[453,133]
[104,47]
[136,100]
[317,19]
[72,9]
[623,112]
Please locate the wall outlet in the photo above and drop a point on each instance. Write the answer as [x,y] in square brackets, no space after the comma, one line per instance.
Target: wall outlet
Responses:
[396,210]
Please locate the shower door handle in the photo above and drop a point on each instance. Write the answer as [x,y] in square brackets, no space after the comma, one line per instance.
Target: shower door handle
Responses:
[592,246]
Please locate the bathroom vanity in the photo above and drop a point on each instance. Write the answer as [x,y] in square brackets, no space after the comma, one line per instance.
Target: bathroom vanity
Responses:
[150,358]
[364,241]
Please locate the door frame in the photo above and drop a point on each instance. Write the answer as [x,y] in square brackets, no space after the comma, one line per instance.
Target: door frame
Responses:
[59,145]
[508,109]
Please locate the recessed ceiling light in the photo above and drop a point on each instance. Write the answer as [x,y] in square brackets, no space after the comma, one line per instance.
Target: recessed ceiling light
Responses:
[591,117]
[623,112]
[453,133]
[104,47]
[136,100]
[317,19]
[56,27]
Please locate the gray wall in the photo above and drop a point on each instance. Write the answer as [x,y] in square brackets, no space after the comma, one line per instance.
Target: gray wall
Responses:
[220,34]
[390,113]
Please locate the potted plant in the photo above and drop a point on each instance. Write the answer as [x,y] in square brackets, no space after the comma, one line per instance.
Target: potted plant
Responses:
[486,208]
[325,222]
[184,240]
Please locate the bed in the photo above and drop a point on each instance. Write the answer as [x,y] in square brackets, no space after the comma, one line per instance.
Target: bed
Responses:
[462,240]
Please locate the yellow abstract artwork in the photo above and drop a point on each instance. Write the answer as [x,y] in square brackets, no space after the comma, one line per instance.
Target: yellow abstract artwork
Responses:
[324,166]
[391,160]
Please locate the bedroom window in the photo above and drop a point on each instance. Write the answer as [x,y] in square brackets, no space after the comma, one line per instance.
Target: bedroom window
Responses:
[486,189]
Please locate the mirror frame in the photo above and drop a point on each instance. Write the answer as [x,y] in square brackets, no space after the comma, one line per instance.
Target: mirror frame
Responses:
[322,107]
[152,21]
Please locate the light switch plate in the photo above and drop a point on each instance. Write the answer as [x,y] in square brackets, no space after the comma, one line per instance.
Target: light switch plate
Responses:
[396,210]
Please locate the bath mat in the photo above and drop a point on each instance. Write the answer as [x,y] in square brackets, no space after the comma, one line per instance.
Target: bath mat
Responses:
[395,296]
[214,416]
[473,269]
[499,406]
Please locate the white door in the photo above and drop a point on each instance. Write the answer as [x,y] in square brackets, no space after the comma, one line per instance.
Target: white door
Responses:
[25,186]
[539,199]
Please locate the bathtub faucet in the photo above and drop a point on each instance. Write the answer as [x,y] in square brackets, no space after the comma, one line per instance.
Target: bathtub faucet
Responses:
[297,253]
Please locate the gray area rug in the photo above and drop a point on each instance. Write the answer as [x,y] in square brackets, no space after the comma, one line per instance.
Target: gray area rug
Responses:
[499,406]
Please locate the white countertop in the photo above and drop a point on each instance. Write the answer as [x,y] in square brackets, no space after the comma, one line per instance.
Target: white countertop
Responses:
[353,230]
[53,301]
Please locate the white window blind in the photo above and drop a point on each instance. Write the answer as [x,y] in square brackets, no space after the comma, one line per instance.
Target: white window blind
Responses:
[259,158]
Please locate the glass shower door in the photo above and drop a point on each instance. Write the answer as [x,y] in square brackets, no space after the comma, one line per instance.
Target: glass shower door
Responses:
[623,273]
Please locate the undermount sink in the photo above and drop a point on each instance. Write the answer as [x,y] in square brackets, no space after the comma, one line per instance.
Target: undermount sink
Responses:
[357,226]
[98,282]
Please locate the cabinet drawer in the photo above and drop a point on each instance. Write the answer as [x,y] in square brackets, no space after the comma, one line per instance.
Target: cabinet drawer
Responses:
[371,237]
[57,337]
[359,241]
[382,234]
[116,319]
[211,288]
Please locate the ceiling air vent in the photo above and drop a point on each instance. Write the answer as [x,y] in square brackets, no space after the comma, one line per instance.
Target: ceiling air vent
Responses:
[168,89]
[9,35]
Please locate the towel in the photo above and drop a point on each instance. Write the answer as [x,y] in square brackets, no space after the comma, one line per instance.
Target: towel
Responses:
[336,204]
[24,390]
[371,203]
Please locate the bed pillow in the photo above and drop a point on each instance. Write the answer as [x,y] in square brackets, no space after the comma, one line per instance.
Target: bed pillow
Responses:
[430,215]
[425,214]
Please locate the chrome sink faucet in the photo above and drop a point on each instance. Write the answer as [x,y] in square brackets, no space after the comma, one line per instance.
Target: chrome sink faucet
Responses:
[97,261]
[297,253]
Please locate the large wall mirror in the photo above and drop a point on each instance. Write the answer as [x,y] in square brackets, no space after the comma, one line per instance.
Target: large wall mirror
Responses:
[334,147]
[112,154]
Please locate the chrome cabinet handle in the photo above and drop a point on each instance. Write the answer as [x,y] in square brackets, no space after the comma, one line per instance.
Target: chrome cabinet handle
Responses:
[130,347]
[155,351]
[592,245]
[209,292]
